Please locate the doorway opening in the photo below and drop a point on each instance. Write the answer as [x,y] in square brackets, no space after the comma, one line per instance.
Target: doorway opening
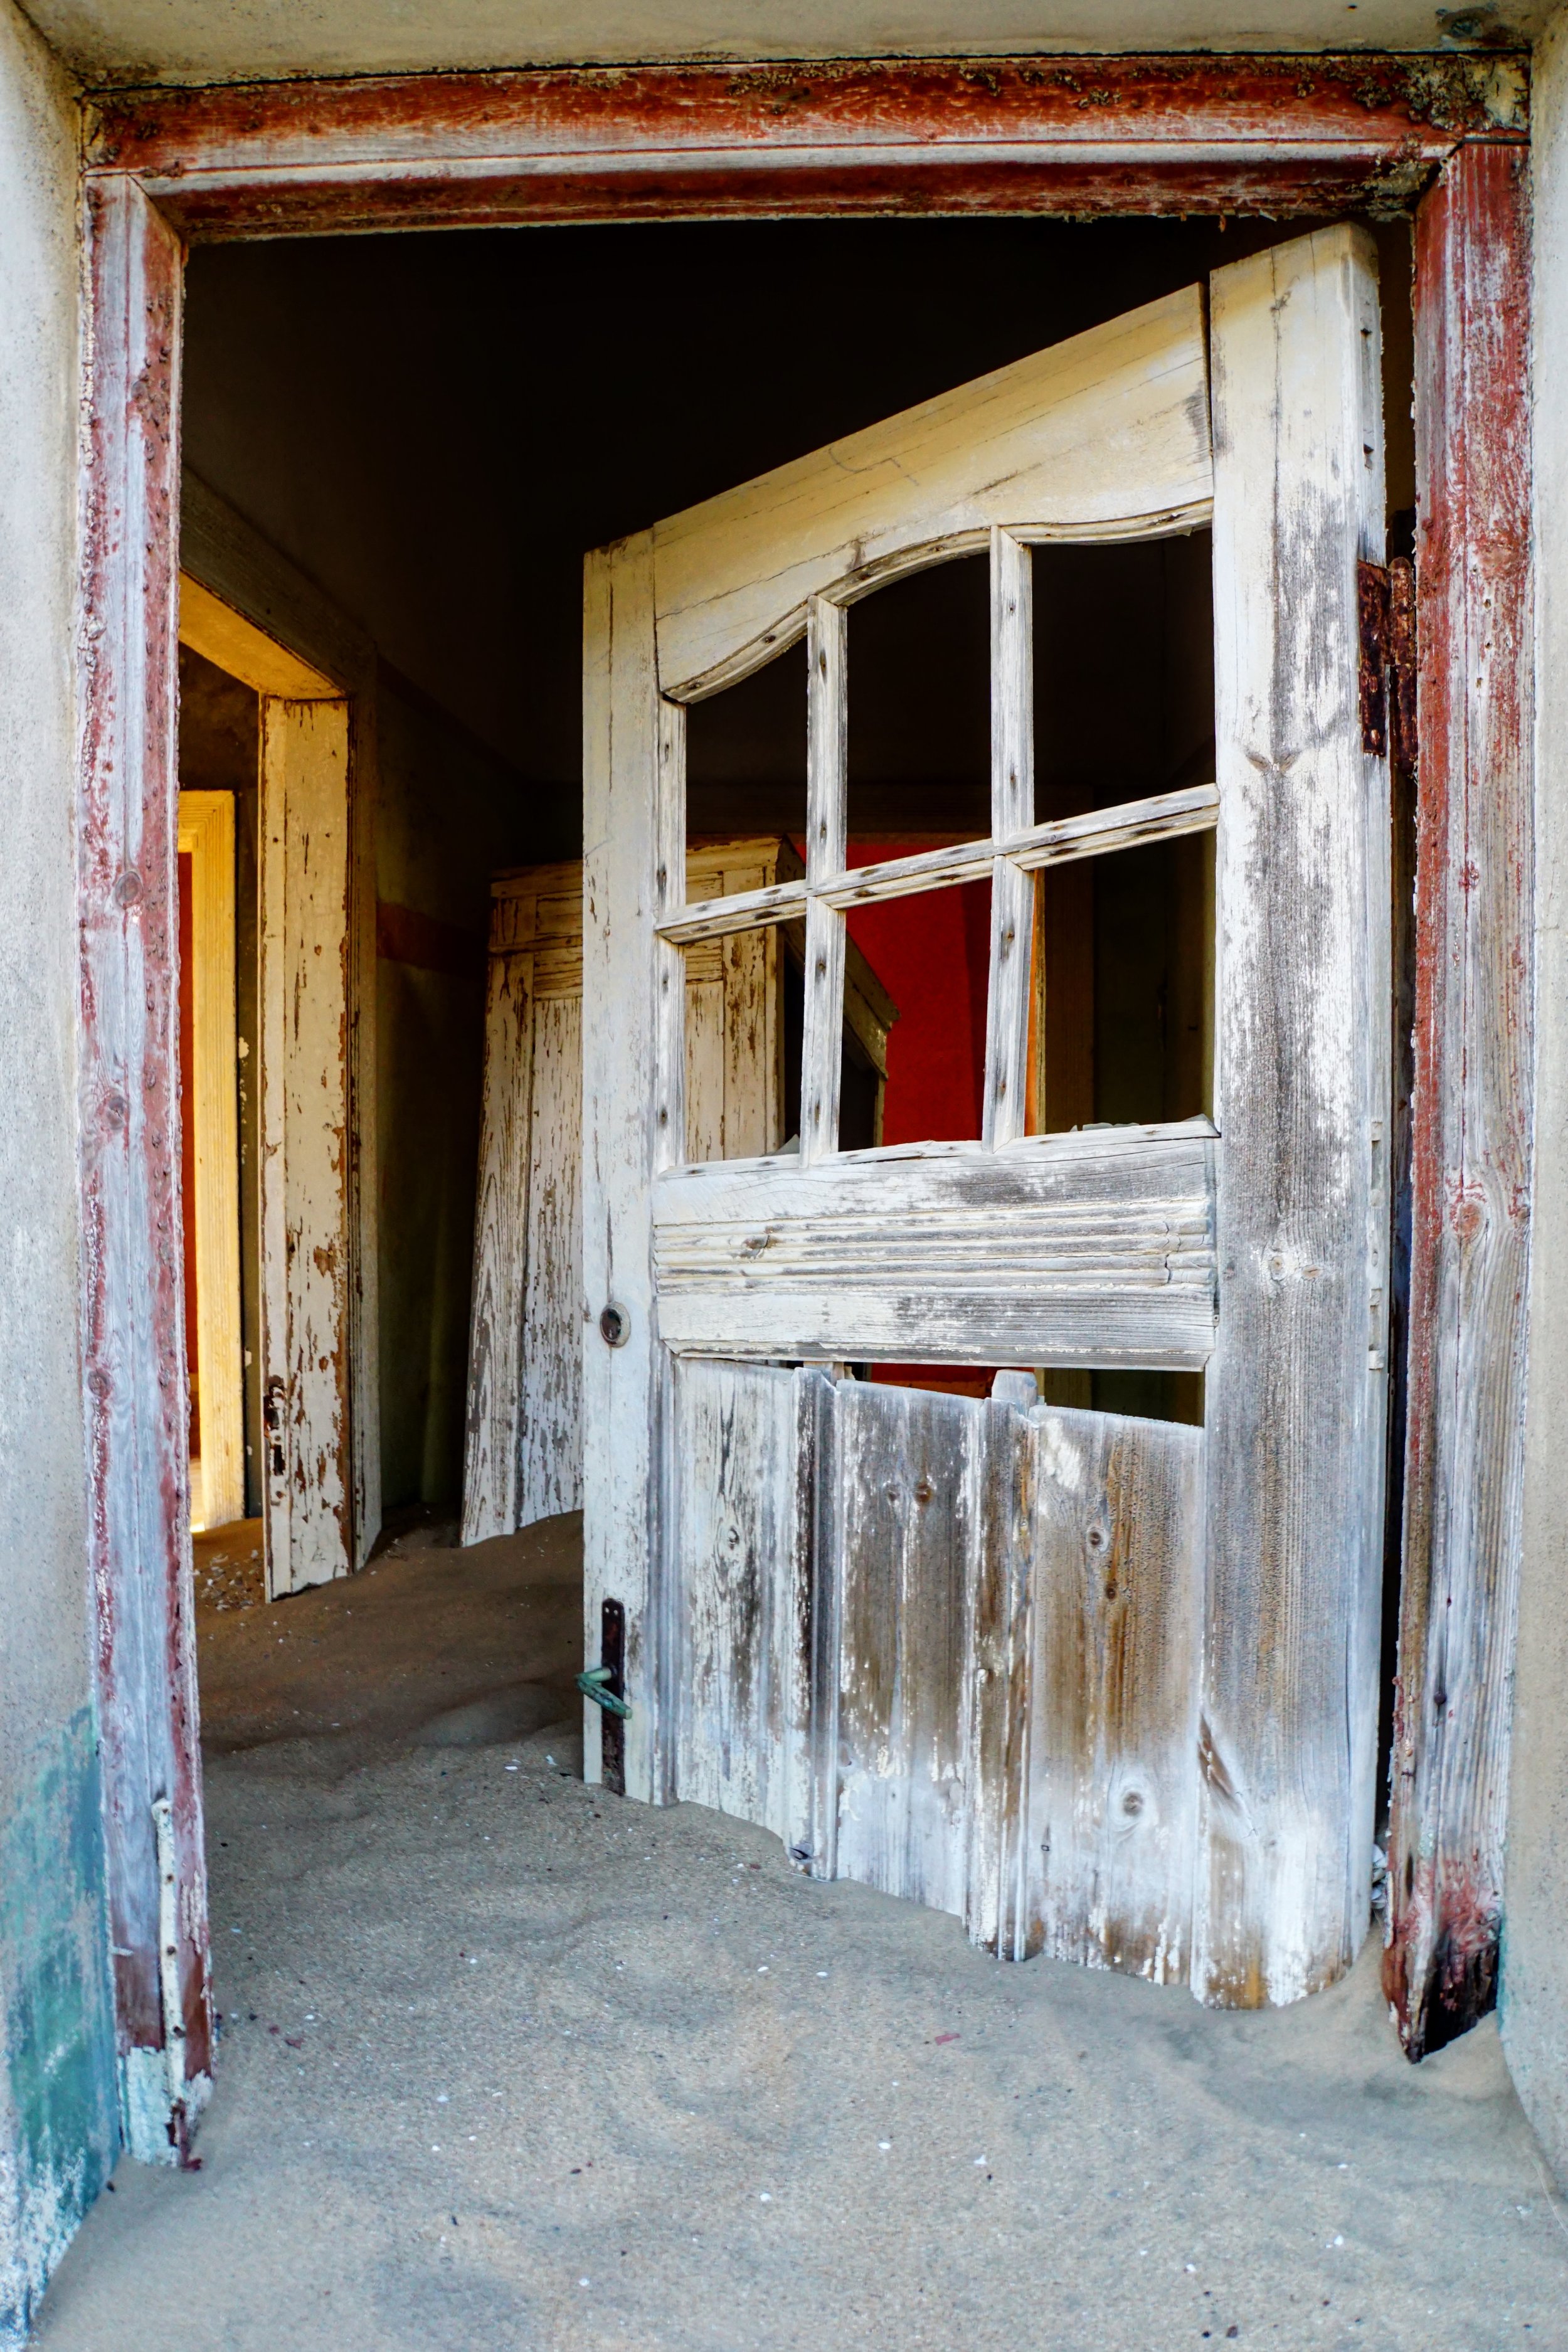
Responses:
[434,431]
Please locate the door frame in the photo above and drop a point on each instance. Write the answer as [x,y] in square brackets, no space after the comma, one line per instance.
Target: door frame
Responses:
[1442,136]
[322,1507]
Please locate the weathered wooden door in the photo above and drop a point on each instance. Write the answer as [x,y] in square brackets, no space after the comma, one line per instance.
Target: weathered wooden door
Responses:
[1104,1687]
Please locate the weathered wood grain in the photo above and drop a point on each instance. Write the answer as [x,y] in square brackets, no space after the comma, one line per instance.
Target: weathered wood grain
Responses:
[1152,134]
[713,918]
[134,1399]
[306,1201]
[907,1500]
[523,1450]
[1005,1097]
[1108,1840]
[626,1503]
[1105,434]
[550,1424]
[826,820]
[742,1710]
[1095,1248]
[1473,1100]
[998,1667]
[1296,1392]
[492,1504]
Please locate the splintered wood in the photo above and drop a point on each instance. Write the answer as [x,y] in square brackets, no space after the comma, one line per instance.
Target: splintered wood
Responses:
[1002,1611]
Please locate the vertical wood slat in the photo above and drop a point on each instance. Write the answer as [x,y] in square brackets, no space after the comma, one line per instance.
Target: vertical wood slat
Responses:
[1000,1601]
[904,1544]
[1115,1665]
[305,1185]
[828,729]
[1472,1145]
[949,1649]
[1012,810]
[134,1393]
[742,1718]
[633,1048]
[491,1500]
[1295,1391]
[549,1459]
[669,1139]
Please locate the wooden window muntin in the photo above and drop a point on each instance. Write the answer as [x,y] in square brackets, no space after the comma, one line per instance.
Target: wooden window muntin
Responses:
[1014,851]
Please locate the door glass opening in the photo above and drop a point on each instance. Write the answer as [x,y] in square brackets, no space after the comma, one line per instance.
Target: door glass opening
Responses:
[1122,1017]
[1123,672]
[918,755]
[745,756]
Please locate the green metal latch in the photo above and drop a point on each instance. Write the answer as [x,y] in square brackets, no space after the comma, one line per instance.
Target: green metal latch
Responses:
[594,1683]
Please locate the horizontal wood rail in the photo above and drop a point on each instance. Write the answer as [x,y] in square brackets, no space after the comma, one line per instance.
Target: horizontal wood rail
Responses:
[1091,1248]
[1287,135]
[1194,809]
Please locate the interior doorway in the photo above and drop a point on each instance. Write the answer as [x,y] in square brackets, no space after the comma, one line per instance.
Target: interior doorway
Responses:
[266,979]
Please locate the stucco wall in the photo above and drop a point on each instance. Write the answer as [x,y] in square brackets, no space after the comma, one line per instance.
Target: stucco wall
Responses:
[56,2099]
[1535,1935]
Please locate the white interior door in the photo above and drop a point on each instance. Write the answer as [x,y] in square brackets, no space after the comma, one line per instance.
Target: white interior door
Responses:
[1102,1686]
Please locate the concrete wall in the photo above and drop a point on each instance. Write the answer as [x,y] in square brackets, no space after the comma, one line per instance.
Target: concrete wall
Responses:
[58,2131]
[1534,1997]
[191,40]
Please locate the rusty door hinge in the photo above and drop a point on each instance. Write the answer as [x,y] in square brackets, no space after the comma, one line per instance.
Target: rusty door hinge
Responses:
[1386,602]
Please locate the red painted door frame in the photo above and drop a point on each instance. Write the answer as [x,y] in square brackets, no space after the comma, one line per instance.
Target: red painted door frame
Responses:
[1305,137]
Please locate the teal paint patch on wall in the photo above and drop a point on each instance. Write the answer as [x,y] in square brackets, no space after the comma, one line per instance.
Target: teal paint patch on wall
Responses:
[59,2129]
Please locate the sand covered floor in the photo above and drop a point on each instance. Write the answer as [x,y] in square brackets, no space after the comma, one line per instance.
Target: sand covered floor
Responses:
[507,2063]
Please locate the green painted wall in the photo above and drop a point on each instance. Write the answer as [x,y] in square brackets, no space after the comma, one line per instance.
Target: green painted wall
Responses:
[60,2131]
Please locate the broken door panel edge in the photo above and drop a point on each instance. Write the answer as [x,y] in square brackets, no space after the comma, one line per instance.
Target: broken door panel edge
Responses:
[1054,1809]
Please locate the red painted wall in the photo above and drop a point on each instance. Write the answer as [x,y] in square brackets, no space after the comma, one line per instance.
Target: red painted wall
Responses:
[931,953]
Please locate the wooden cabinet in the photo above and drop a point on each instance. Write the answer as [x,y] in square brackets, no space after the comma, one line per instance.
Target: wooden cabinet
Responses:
[745,1001]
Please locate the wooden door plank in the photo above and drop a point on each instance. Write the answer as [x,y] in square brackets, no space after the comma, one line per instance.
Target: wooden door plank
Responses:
[1474,1105]
[906,1478]
[1073,1248]
[704,1137]
[496,1358]
[740,1725]
[1000,1599]
[1110,1841]
[305,1178]
[1296,1392]
[1103,435]
[633,1058]
[549,1430]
